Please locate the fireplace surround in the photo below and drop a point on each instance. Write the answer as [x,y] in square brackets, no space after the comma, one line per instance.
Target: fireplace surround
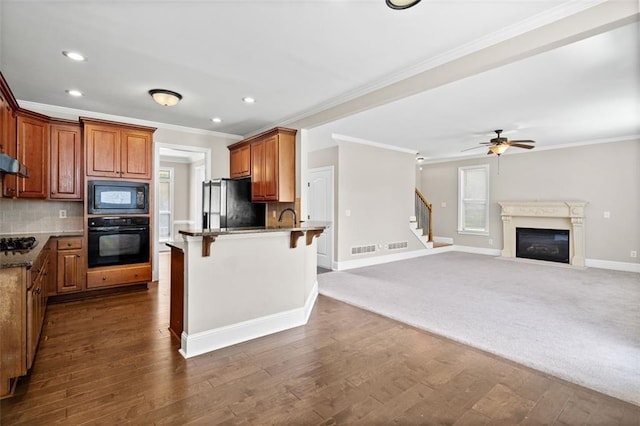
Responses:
[559,215]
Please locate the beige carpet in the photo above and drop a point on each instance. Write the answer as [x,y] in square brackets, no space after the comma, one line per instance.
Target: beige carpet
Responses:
[582,325]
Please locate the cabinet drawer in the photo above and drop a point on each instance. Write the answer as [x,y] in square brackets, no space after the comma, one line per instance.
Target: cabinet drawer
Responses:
[118,276]
[69,243]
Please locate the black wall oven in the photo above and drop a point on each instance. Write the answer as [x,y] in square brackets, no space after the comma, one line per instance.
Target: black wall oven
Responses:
[118,240]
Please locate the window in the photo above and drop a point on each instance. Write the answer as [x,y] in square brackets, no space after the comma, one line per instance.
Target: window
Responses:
[165,203]
[473,200]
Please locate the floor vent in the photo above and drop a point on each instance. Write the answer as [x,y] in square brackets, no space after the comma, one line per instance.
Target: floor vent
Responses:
[363,249]
[398,245]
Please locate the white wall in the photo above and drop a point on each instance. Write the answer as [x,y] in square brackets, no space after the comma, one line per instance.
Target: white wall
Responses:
[607,176]
[376,185]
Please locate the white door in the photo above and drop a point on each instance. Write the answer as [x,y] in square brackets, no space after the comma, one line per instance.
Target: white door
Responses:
[320,208]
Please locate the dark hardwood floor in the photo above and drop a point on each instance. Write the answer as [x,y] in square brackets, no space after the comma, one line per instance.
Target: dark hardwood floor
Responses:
[111,361]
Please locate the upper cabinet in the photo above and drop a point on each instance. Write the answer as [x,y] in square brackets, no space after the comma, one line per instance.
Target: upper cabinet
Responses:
[240,161]
[8,107]
[117,151]
[66,162]
[32,149]
[272,164]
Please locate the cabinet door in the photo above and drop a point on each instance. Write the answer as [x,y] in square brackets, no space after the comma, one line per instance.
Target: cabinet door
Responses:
[270,176]
[71,271]
[240,161]
[7,121]
[66,162]
[102,150]
[35,315]
[257,171]
[33,151]
[135,154]
[8,146]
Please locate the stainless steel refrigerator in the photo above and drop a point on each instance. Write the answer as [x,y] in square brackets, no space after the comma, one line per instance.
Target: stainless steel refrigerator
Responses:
[226,203]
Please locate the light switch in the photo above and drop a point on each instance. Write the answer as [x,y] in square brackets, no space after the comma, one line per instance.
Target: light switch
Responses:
[607,215]
[443,204]
[347,212]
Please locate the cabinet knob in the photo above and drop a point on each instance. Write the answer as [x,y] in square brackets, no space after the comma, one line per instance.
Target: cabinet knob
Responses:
[77,255]
[104,278]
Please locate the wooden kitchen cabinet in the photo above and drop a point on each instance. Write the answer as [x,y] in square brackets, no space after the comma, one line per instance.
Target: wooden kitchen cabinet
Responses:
[66,162]
[111,276]
[272,163]
[22,310]
[117,151]
[32,149]
[240,161]
[7,126]
[71,265]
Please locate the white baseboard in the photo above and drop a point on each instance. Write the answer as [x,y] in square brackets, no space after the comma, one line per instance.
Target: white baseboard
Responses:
[610,264]
[210,340]
[377,260]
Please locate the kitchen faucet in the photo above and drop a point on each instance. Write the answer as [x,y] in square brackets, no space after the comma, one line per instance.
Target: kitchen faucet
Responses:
[295,215]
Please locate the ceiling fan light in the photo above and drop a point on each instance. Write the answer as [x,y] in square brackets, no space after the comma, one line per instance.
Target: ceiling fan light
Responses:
[499,149]
[401,4]
[165,97]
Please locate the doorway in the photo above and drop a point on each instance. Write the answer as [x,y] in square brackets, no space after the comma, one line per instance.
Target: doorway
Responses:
[320,208]
[176,200]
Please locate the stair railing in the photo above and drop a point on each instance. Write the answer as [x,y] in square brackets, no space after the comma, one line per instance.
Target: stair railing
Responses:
[423,215]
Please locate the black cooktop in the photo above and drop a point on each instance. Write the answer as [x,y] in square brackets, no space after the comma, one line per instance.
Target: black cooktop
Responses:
[17,244]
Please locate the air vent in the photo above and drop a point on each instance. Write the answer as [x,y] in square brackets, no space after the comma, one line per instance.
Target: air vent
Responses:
[363,249]
[398,245]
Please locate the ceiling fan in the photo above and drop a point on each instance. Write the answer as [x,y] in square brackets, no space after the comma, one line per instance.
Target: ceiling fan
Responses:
[499,145]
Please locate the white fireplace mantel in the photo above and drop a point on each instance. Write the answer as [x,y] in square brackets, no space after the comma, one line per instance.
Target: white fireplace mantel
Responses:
[545,214]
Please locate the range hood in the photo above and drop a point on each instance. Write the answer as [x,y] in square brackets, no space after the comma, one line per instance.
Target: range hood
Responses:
[9,165]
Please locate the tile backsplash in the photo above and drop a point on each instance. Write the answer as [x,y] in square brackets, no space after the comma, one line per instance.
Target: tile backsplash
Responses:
[24,216]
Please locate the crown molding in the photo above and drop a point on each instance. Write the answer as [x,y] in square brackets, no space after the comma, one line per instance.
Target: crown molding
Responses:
[343,138]
[55,109]
[633,137]
[547,17]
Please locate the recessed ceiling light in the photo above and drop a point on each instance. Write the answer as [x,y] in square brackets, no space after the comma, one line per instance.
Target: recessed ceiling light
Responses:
[248,100]
[216,120]
[74,56]
[74,92]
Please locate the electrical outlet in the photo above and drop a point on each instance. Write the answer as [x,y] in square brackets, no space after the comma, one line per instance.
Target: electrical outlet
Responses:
[274,213]
[62,214]
[633,253]
[443,204]
[607,215]
[490,242]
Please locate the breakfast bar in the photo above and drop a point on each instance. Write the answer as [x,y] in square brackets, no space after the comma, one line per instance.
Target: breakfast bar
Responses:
[242,283]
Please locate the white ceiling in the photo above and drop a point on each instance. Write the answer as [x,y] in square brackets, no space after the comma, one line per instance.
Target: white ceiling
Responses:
[300,58]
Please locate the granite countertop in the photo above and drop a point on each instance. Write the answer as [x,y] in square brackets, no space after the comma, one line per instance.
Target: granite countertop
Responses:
[21,260]
[306,226]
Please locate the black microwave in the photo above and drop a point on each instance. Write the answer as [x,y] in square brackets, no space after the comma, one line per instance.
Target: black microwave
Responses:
[117,197]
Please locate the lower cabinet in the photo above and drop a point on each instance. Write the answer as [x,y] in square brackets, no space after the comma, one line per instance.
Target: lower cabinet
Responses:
[71,265]
[22,309]
[111,276]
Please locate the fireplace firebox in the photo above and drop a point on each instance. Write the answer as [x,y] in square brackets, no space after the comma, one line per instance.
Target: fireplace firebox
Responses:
[543,244]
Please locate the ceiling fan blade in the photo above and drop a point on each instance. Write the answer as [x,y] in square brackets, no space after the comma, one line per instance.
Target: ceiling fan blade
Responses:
[523,141]
[519,145]
[489,152]
[473,147]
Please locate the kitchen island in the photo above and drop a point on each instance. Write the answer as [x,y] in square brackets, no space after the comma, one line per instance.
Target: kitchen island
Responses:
[240,284]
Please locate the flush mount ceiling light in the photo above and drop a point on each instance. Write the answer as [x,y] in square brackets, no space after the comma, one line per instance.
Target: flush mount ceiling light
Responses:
[165,97]
[73,92]
[401,4]
[248,100]
[216,120]
[79,57]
